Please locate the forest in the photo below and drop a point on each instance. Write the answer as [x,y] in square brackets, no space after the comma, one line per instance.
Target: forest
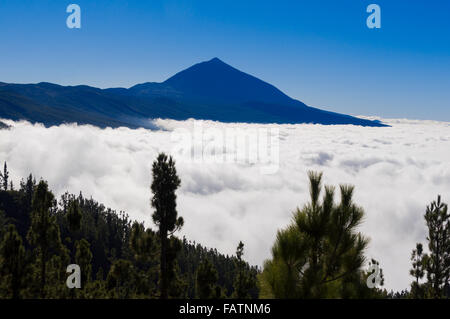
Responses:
[321,254]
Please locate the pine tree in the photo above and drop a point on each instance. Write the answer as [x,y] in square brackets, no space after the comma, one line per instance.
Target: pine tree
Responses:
[165,183]
[418,272]
[5,177]
[74,215]
[27,188]
[44,232]
[438,260]
[13,263]
[142,243]
[243,281]
[56,274]
[144,248]
[121,279]
[206,280]
[83,258]
[320,254]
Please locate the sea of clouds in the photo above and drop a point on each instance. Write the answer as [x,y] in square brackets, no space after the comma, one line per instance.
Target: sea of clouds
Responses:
[396,170]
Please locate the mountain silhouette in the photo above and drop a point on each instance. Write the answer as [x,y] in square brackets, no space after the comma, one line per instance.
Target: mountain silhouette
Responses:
[211,90]
[217,81]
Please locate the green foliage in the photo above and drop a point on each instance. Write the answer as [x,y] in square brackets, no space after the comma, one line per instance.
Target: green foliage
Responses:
[206,281]
[74,215]
[418,290]
[55,284]
[192,255]
[438,261]
[13,264]
[436,264]
[320,254]
[27,189]
[143,243]
[144,246]
[83,258]
[44,233]
[121,279]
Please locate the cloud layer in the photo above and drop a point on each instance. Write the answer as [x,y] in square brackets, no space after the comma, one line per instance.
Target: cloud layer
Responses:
[397,171]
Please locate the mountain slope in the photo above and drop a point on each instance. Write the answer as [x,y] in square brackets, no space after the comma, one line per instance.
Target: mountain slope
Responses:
[3,125]
[210,90]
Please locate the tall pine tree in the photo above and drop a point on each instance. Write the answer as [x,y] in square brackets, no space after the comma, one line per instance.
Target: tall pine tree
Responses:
[243,281]
[438,260]
[44,231]
[5,177]
[165,183]
[320,255]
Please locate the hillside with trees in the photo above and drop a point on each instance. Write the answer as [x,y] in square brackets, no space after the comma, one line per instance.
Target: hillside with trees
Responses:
[321,254]
[118,257]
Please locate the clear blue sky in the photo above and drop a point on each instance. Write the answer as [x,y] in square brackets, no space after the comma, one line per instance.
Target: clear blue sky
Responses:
[320,52]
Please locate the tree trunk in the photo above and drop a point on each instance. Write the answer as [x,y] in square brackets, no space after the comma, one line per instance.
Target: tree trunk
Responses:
[164,280]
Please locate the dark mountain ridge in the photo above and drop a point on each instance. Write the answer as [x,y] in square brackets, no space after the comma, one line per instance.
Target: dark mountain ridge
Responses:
[210,90]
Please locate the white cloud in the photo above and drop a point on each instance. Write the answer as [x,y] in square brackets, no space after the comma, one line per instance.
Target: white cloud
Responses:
[397,171]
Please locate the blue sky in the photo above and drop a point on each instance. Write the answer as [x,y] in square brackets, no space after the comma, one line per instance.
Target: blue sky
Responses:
[320,52]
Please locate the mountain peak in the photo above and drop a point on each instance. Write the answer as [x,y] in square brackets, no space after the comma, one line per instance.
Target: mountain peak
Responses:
[215,64]
[216,60]
[217,80]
